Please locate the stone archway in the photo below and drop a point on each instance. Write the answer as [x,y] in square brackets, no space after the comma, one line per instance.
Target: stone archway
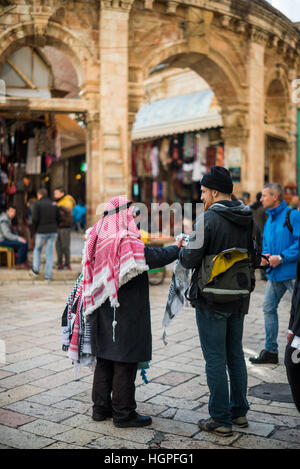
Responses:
[279,153]
[233,45]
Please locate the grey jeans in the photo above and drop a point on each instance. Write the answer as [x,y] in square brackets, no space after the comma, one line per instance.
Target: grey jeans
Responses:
[63,244]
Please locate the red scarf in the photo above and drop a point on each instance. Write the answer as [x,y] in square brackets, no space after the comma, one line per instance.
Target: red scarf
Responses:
[114,254]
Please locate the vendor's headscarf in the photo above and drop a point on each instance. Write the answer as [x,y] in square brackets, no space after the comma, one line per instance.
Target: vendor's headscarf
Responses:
[114,254]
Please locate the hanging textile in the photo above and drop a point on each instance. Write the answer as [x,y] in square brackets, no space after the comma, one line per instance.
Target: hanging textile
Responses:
[33,161]
[187,169]
[164,152]
[220,156]
[202,142]
[210,157]
[147,159]
[188,147]
[154,159]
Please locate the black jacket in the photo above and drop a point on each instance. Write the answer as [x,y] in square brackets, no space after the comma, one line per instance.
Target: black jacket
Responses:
[133,340]
[224,225]
[294,324]
[45,216]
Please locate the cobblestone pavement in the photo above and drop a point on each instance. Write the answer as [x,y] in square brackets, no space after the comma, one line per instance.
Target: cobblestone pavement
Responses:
[41,406]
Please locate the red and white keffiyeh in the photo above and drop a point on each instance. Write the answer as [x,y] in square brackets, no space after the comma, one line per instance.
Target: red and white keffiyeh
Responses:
[114,254]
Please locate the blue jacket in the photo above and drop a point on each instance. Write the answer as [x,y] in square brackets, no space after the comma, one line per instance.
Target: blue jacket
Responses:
[278,240]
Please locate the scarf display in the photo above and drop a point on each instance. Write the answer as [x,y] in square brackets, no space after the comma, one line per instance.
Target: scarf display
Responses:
[76,332]
[176,299]
[114,254]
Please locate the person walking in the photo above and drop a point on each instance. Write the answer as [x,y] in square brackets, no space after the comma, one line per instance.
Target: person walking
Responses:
[226,224]
[11,240]
[66,203]
[45,219]
[79,215]
[115,291]
[281,247]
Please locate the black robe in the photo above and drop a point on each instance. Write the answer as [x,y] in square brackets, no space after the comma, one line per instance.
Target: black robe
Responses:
[133,340]
[294,323]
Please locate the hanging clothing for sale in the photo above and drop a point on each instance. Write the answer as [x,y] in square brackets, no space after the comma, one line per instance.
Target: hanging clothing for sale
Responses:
[147,160]
[210,157]
[33,161]
[164,152]
[154,159]
[187,169]
[220,155]
[188,147]
[202,142]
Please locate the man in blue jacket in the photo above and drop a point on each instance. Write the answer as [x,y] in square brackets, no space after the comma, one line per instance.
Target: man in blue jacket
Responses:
[281,246]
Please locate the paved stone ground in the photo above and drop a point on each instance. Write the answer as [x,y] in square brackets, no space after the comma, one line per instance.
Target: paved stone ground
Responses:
[41,406]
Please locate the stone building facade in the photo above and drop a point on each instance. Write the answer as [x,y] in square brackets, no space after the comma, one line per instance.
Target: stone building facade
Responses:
[245,50]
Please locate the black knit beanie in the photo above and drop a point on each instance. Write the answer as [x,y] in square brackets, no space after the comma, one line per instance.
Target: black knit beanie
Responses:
[218,178]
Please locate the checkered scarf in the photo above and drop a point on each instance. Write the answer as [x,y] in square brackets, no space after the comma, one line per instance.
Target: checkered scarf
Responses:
[114,254]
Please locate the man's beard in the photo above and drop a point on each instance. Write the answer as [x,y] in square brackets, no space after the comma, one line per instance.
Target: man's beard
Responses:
[207,204]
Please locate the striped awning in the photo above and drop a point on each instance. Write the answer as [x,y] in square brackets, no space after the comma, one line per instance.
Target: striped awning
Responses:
[186,113]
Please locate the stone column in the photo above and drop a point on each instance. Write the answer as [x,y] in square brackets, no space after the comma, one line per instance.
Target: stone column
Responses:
[253,166]
[235,134]
[94,183]
[114,18]
[94,175]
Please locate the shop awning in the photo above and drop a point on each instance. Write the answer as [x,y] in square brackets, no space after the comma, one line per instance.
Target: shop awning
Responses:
[193,111]
[71,132]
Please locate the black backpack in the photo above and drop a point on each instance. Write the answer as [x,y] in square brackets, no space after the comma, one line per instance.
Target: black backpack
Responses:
[288,221]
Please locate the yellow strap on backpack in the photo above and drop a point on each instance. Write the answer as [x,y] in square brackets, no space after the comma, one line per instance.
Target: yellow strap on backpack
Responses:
[224,260]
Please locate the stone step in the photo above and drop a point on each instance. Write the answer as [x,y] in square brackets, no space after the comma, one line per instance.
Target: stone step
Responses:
[13,275]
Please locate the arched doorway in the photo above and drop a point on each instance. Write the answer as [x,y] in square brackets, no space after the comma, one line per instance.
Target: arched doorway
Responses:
[176,137]
[279,163]
[42,136]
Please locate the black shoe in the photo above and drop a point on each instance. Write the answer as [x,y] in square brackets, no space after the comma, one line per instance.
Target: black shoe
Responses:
[33,273]
[265,357]
[99,417]
[136,421]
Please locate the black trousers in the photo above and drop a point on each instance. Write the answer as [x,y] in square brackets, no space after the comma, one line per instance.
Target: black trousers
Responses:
[292,365]
[63,245]
[114,389]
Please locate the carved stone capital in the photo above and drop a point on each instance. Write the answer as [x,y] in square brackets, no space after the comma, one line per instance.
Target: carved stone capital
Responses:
[148,5]
[257,35]
[172,7]
[92,118]
[40,30]
[123,5]
[240,27]
[225,21]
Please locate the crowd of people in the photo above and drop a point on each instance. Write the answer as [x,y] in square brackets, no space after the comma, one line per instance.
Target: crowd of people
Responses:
[106,322]
[31,223]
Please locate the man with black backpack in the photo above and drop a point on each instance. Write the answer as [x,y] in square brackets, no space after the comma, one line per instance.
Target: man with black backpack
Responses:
[281,246]
[221,254]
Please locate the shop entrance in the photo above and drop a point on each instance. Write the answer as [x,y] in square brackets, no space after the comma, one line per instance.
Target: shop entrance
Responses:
[176,137]
[42,129]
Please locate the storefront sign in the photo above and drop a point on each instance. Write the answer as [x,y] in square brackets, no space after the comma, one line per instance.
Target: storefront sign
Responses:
[234,157]
[235,174]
